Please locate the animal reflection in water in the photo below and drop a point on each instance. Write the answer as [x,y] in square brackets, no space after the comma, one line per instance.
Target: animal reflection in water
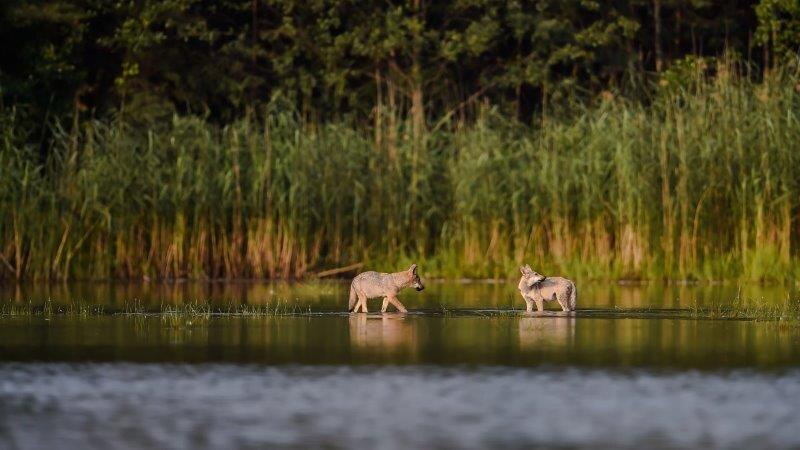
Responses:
[388,331]
[548,329]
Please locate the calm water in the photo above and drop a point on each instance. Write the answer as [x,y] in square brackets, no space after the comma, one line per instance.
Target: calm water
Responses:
[332,296]
[629,369]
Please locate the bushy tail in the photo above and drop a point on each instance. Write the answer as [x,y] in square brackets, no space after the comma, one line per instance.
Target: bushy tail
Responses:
[353,297]
[573,298]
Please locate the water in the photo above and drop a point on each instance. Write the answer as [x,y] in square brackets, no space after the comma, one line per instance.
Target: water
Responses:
[125,405]
[332,296]
[416,339]
[630,369]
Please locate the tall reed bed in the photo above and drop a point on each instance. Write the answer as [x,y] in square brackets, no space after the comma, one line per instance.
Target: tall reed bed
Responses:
[700,181]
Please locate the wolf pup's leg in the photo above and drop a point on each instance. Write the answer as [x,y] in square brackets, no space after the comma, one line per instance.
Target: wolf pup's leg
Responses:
[564,304]
[352,302]
[393,300]
[362,301]
[539,304]
[385,304]
[573,297]
[528,304]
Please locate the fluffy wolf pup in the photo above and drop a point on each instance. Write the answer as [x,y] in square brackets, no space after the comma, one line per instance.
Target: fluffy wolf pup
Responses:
[537,288]
[373,284]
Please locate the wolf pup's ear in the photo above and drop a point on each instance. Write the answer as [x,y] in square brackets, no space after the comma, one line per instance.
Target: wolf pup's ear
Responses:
[526,269]
[413,268]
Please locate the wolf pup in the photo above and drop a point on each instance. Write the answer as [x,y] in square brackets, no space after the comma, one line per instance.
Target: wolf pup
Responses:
[537,288]
[373,284]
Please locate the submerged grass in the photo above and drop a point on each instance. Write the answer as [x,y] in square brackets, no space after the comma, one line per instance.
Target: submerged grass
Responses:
[209,309]
[49,308]
[198,312]
[701,181]
[198,309]
[787,312]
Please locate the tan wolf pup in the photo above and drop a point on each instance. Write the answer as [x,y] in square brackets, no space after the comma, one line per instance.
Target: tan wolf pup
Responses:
[537,288]
[373,284]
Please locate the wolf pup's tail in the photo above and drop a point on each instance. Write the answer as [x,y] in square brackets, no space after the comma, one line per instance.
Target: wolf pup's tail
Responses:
[573,297]
[353,298]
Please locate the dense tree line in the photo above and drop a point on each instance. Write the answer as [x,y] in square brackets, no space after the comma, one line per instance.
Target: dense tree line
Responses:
[148,59]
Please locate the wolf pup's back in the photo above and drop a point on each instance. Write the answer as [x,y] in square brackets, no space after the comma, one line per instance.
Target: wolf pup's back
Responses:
[366,282]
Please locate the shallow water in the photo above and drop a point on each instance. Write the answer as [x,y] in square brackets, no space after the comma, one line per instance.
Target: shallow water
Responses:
[631,368]
[332,295]
[464,338]
[125,405]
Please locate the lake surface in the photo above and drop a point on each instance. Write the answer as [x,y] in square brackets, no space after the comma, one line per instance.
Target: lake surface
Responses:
[332,295]
[631,368]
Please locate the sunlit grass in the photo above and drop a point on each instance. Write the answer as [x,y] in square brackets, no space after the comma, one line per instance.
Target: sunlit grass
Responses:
[698,182]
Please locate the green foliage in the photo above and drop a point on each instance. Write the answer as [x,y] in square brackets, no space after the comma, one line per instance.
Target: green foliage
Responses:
[779,28]
[697,183]
[335,58]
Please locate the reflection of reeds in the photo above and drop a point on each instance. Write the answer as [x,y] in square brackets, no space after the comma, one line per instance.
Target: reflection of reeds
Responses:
[701,181]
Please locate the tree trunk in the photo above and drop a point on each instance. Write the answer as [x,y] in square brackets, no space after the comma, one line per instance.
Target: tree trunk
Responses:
[378,109]
[253,45]
[657,34]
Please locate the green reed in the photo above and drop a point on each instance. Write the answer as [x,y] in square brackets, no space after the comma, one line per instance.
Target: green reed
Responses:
[701,181]
[787,312]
